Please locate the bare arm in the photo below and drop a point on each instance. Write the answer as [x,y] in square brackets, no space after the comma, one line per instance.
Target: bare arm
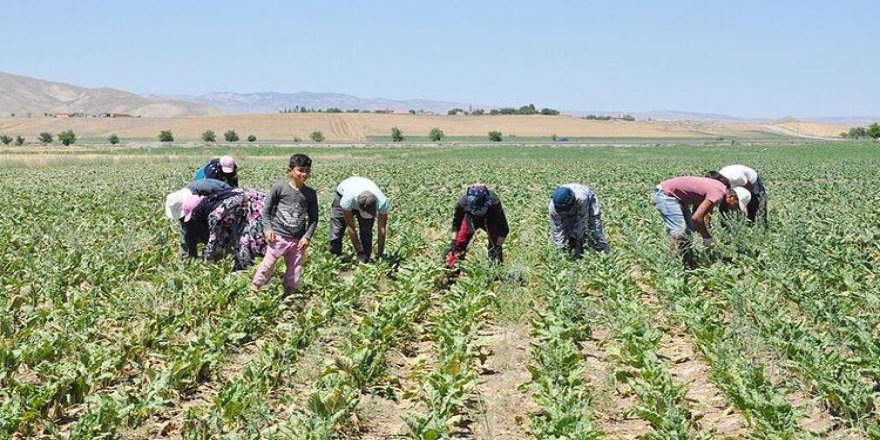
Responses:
[380,243]
[699,217]
[352,232]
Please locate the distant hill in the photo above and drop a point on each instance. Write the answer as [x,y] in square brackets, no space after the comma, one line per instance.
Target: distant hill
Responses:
[273,102]
[21,95]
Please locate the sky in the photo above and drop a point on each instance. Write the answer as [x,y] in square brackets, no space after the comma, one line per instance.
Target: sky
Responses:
[739,58]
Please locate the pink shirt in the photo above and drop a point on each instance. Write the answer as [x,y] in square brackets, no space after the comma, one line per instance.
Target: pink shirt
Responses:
[693,190]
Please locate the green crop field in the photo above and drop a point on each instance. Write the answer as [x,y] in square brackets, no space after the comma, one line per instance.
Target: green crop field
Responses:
[105,333]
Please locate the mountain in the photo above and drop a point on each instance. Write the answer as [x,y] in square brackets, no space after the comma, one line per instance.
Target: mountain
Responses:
[23,95]
[273,102]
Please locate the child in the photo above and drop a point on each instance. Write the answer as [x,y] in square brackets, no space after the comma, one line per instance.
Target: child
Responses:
[289,219]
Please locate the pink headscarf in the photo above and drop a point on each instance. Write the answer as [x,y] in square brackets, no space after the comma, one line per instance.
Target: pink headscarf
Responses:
[189,205]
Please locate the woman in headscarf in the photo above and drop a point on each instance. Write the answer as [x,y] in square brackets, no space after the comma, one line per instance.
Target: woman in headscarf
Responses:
[231,219]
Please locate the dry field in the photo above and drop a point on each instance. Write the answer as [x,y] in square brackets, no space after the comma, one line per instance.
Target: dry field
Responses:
[348,127]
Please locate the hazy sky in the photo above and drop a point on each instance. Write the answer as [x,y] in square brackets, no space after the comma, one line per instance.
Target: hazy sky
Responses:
[741,58]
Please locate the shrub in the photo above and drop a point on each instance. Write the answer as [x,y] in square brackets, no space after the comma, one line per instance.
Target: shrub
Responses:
[495,136]
[317,136]
[45,138]
[396,134]
[209,136]
[252,138]
[19,141]
[230,136]
[436,134]
[166,136]
[297,139]
[113,139]
[67,137]
[5,139]
[873,130]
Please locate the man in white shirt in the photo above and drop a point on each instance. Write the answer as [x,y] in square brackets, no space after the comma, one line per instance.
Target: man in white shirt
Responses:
[358,197]
[741,176]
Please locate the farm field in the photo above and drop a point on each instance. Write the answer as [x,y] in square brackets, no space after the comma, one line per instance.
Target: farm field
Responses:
[105,333]
[365,127]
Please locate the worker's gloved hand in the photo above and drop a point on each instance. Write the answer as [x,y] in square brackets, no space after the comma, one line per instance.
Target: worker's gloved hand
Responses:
[709,242]
[453,235]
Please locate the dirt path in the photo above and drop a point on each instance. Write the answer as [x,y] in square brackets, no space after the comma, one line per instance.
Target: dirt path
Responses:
[614,401]
[711,410]
[505,407]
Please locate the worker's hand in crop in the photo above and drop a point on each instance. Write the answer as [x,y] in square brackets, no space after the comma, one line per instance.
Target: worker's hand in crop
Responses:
[303,244]
[270,236]
[709,242]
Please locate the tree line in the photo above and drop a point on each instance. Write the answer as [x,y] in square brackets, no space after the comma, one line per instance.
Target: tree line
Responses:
[872,131]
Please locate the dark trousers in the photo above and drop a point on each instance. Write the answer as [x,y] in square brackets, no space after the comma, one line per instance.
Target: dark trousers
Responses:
[337,229]
[757,207]
[458,248]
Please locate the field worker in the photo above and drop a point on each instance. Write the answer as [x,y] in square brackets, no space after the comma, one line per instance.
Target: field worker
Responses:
[478,208]
[191,235]
[741,176]
[575,213]
[206,187]
[231,219]
[289,221]
[358,197]
[222,168]
[673,198]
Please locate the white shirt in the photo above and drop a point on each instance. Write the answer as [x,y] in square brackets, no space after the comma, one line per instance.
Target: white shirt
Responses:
[739,175]
[350,188]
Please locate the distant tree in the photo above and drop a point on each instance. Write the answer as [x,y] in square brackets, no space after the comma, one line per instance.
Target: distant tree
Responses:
[629,118]
[297,139]
[396,134]
[857,132]
[230,136]
[113,139]
[67,137]
[317,136]
[412,112]
[45,138]
[494,112]
[456,111]
[553,137]
[5,139]
[478,112]
[19,141]
[873,131]
[252,138]
[527,110]
[209,136]
[333,110]
[549,111]
[495,136]
[166,136]
[436,134]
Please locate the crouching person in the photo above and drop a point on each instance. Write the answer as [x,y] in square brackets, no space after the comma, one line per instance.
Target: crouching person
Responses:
[576,219]
[289,218]
[673,199]
[358,197]
[478,208]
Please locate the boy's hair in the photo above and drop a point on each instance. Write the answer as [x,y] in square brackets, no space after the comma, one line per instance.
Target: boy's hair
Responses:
[300,160]
[719,177]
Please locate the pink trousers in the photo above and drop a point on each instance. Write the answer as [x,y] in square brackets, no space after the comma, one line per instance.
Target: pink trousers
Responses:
[289,249]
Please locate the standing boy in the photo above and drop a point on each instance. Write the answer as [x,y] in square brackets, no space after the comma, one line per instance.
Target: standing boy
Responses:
[358,197]
[478,208]
[289,219]
[575,218]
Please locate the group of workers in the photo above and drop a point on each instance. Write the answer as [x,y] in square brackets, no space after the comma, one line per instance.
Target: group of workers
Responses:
[214,211]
